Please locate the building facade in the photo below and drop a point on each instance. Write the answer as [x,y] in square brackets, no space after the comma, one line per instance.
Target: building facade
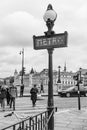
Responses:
[39,78]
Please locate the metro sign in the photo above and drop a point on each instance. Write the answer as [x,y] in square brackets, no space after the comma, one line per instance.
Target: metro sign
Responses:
[53,41]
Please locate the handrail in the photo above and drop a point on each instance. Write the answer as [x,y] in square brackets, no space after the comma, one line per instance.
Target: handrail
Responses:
[37,122]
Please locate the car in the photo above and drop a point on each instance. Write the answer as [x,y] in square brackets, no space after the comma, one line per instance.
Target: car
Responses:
[72,91]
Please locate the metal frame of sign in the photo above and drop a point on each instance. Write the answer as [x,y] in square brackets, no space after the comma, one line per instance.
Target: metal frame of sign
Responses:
[52,41]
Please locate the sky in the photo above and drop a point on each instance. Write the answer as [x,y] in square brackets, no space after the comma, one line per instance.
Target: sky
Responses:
[21,19]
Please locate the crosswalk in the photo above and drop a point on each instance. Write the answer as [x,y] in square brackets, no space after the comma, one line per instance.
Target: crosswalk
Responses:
[23,109]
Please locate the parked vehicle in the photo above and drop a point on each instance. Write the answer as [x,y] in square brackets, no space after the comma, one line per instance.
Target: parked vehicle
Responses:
[72,91]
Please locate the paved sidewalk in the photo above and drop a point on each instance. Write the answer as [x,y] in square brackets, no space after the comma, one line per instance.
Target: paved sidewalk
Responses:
[23,109]
[67,119]
[71,120]
[63,120]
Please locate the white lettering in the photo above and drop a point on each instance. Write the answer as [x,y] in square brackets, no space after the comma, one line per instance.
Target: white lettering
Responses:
[49,41]
[54,41]
[44,42]
[38,42]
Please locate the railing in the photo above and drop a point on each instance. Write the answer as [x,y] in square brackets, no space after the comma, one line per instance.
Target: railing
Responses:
[37,122]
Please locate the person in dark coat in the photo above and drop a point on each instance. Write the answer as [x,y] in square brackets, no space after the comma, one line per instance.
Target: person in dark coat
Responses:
[42,89]
[21,90]
[34,92]
[8,97]
[3,97]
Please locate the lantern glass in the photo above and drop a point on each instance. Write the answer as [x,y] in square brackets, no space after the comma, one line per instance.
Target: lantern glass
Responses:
[50,14]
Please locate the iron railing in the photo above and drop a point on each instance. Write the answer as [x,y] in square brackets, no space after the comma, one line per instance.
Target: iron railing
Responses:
[37,122]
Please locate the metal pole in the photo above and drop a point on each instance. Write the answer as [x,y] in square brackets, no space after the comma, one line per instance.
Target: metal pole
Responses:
[79,106]
[79,81]
[59,81]
[50,75]
[22,65]
[22,53]
[50,92]
[50,33]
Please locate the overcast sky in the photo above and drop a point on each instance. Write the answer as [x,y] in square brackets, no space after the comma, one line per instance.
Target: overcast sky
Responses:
[21,19]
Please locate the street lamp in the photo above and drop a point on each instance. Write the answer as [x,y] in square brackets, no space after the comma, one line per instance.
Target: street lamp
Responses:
[78,84]
[49,17]
[22,53]
[22,71]
[59,80]
[78,79]
[80,69]
[49,42]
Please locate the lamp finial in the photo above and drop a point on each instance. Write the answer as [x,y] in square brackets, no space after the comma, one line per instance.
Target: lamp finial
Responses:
[49,7]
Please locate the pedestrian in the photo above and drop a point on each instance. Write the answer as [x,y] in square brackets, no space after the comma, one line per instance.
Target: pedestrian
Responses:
[3,97]
[8,97]
[13,95]
[0,88]
[41,89]
[21,90]
[34,92]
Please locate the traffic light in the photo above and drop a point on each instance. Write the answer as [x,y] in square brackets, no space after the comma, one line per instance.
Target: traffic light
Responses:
[23,70]
[81,80]
[76,77]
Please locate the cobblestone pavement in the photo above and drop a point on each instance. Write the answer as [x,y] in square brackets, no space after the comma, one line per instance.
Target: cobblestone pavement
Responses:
[64,119]
[23,109]
[71,120]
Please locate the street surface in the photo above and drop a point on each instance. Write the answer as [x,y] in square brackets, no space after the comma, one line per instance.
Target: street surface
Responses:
[67,103]
[24,108]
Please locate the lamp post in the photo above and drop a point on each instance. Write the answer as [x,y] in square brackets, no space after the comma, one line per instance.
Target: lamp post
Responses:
[49,42]
[22,53]
[78,84]
[77,77]
[49,17]
[80,75]
[59,80]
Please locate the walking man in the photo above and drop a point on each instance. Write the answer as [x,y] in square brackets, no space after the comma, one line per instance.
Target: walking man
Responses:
[34,92]
[21,90]
[42,89]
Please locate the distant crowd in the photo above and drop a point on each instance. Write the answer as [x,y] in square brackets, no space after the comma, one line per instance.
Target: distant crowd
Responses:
[8,94]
